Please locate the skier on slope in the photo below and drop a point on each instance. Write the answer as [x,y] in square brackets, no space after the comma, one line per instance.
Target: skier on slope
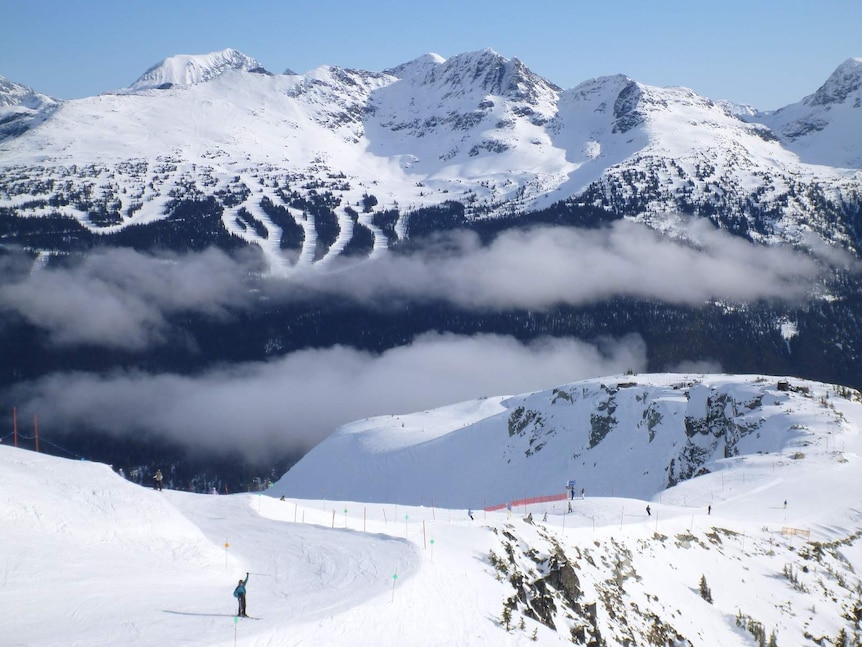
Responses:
[239,594]
[158,479]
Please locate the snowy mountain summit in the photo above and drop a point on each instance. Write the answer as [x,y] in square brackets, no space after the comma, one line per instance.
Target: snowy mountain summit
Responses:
[189,70]
[15,94]
[844,83]
[823,127]
[282,161]
[21,108]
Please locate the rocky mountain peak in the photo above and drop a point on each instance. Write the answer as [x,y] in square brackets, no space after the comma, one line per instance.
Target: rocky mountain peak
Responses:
[479,73]
[15,94]
[21,108]
[844,81]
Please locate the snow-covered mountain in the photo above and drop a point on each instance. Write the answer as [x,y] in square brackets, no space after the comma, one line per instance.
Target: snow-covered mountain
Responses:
[823,128]
[21,108]
[628,435]
[762,545]
[477,128]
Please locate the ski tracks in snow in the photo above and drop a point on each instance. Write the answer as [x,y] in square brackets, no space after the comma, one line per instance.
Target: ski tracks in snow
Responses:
[299,572]
[270,239]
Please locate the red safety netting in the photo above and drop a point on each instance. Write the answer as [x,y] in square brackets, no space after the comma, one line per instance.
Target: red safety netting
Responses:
[530,501]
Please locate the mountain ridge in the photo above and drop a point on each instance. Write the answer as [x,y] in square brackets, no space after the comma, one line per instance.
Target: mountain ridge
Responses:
[477,128]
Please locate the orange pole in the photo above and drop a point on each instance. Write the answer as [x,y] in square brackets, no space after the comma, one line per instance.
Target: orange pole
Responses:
[36,431]
[15,425]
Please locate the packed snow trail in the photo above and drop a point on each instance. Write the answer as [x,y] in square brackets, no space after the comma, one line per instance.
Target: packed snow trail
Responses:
[299,571]
[71,527]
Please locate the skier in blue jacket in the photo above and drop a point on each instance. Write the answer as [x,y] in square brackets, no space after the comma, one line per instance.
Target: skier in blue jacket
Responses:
[239,594]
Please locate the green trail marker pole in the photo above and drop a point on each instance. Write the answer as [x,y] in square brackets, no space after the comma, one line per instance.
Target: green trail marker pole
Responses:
[345,517]
[394,580]
[235,623]
[406,517]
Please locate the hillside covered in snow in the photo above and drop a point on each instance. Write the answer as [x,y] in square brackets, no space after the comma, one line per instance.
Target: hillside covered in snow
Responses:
[627,435]
[760,544]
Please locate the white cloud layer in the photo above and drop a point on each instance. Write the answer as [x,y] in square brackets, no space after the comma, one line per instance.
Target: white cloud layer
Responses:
[124,299]
[544,267]
[120,298]
[262,409]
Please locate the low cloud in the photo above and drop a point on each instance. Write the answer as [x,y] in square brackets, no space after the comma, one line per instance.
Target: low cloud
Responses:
[544,267]
[120,298]
[261,409]
[127,300]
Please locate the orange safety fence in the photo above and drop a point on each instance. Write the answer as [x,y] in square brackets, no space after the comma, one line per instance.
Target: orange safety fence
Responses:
[530,501]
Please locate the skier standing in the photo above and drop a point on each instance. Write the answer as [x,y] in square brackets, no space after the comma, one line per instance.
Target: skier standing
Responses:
[239,594]
[158,479]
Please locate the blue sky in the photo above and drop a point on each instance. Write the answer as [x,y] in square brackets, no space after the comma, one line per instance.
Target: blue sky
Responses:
[766,53]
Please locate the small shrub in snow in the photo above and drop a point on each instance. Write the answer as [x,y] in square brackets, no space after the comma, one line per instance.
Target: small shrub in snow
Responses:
[506,617]
[755,628]
[705,593]
[841,639]
[498,563]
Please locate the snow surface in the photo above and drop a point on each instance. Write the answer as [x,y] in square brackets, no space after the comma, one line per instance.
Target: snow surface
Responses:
[92,559]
